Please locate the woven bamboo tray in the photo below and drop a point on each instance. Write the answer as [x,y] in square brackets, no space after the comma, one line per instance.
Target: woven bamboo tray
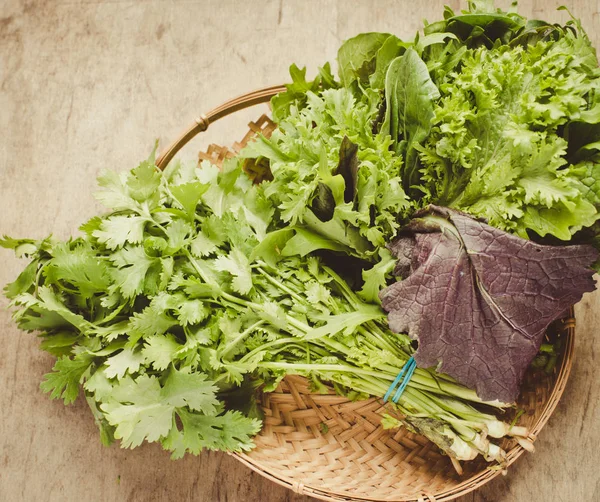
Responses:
[334,449]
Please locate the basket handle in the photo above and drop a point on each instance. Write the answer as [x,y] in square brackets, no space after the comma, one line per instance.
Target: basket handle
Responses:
[203,121]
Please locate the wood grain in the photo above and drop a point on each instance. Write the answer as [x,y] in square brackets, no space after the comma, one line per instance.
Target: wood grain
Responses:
[90,84]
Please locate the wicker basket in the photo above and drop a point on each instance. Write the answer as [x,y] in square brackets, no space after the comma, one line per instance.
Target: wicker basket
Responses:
[334,449]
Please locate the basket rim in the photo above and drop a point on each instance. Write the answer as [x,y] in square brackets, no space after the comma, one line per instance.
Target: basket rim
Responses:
[263,95]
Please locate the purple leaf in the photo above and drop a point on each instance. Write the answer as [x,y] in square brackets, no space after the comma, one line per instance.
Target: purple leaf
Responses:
[479,299]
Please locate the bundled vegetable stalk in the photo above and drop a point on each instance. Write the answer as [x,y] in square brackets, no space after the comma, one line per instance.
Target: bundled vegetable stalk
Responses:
[200,287]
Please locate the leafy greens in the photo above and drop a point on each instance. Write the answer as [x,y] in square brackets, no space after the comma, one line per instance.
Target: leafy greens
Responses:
[200,287]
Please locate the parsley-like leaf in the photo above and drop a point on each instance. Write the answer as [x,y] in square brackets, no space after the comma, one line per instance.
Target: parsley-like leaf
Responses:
[66,375]
[238,266]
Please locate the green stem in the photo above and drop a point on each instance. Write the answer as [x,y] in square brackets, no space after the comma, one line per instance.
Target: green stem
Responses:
[111,316]
[319,367]
[240,337]
[281,286]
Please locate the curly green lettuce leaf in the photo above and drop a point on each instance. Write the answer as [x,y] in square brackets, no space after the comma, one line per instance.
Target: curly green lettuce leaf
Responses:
[295,94]
[332,176]
[496,147]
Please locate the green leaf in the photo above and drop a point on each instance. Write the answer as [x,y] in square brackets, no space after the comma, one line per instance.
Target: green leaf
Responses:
[356,56]
[192,390]
[141,409]
[337,234]
[317,293]
[137,411]
[196,289]
[132,265]
[126,361]
[305,242]
[432,39]
[49,302]
[389,50]
[66,375]
[192,312]
[562,220]
[21,247]
[274,314]
[202,245]
[295,93]
[239,267]
[90,226]
[115,195]
[258,211]
[60,344]
[160,350]
[153,320]
[231,431]
[144,180]
[346,323]
[177,233]
[79,267]
[410,94]
[24,282]
[99,384]
[107,431]
[270,248]
[188,195]
[376,278]
[116,231]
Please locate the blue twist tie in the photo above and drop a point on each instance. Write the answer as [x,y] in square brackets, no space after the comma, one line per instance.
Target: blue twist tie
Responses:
[407,372]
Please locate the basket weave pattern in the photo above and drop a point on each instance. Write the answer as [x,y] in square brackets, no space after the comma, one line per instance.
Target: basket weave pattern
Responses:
[334,449]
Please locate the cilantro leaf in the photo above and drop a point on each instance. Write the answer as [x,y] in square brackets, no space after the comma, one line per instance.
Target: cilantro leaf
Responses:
[116,231]
[115,194]
[144,180]
[66,375]
[192,390]
[21,247]
[23,282]
[47,310]
[188,195]
[238,266]
[177,233]
[126,361]
[132,264]
[59,344]
[160,350]
[140,409]
[137,411]
[202,245]
[80,268]
[231,431]
[192,312]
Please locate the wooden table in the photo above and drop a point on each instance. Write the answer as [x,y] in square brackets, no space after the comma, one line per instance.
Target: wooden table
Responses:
[90,84]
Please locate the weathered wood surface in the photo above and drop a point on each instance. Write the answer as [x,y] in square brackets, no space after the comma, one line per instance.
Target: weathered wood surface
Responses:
[90,84]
